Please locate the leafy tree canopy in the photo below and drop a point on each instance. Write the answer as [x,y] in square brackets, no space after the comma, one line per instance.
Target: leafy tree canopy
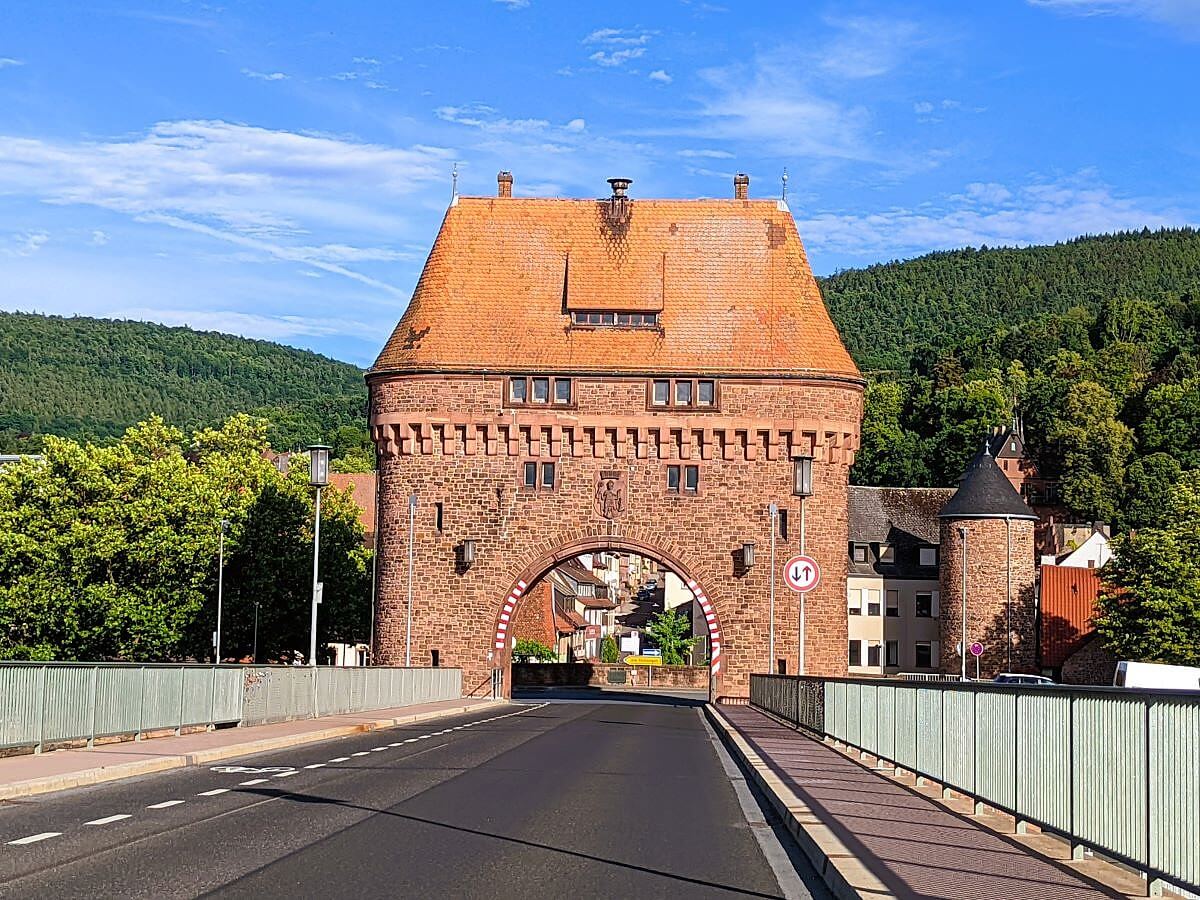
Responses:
[671,633]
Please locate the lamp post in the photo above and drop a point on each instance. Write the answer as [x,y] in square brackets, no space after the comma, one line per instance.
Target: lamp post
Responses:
[802,487]
[962,648]
[412,523]
[220,590]
[773,510]
[254,653]
[318,477]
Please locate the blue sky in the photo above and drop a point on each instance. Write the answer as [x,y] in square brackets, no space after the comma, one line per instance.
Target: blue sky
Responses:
[279,169]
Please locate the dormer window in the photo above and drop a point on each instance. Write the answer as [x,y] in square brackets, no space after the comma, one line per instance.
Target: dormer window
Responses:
[539,390]
[595,319]
[887,554]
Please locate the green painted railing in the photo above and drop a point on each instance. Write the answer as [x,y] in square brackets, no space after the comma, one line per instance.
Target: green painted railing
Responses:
[1111,769]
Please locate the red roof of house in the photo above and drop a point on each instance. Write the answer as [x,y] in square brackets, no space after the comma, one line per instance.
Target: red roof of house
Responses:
[362,491]
[729,278]
[1068,606]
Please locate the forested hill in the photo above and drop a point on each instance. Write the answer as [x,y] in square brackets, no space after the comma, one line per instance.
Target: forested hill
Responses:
[888,312]
[93,378]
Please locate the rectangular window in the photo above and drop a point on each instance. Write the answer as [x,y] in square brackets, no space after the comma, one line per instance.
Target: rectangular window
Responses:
[924,659]
[541,390]
[706,393]
[691,478]
[929,556]
[530,475]
[873,656]
[873,603]
[855,601]
[855,653]
[625,319]
[662,393]
[439,510]
[892,656]
[547,474]
[683,393]
[924,605]
[435,658]
[781,666]
[562,390]
[887,554]
[893,604]
[783,525]
[673,479]
[517,390]
[608,319]
[858,552]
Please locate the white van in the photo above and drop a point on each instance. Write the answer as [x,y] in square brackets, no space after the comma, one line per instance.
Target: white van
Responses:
[1156,676]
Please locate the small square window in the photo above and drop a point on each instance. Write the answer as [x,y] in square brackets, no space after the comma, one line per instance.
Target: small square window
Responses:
[691,478]
[929,556]
[608,318]
[683,393]
[673,479]
[662,393]
[887,554]
[547,474]
[516,390]
[893,605]
[706,393]
[624,319]
[594,318]
[854,603]
[924,606]
[892,656]
[859,553]
[873,603]
[530,474]
[855,653]
[541,390]
[924,655]
[562,390]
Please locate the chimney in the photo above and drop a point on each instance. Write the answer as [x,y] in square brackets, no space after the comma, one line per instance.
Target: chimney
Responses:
[741,186]
[504,182]
[620,186]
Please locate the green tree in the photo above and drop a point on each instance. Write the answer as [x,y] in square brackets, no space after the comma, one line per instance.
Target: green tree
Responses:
[529,650]
[609,652]
[1149,482]
[1172,422]
[1151,609]
[1094,448]
[890,455]
[963,416]
[672,634]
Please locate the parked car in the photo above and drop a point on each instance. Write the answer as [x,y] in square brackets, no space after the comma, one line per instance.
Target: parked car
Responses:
[1015,678]
[1157,676]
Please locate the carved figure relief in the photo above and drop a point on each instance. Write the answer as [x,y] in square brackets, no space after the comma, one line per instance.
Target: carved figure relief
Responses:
[611,493]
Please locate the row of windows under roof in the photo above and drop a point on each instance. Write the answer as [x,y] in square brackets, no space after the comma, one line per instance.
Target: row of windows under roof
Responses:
[543,475]
[886,554]
[667,393]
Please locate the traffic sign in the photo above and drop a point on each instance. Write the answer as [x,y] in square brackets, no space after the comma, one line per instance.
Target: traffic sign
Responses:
[802,573]
[976,649]
[643,661]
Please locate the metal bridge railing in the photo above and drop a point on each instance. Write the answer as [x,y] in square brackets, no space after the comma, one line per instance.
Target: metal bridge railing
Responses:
[53,703]
[1111,769]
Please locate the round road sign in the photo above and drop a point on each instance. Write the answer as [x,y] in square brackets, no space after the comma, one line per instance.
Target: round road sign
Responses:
[802,573]
[976,649]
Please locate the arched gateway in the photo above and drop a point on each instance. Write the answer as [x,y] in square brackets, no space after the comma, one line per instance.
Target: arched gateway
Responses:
[646,375]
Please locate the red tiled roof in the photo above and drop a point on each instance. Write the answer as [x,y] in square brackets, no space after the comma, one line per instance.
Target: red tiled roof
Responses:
[1068,606]
[362,488]
[730,277]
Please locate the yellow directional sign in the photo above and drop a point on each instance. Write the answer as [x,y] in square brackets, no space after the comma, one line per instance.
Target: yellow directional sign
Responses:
[643,660]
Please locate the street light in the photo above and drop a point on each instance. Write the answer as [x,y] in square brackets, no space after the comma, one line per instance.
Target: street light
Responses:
[802,487]
[962,648]
[318,477]
[220,589]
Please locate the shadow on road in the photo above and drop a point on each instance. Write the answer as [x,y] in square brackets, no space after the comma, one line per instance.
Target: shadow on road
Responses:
[610,695]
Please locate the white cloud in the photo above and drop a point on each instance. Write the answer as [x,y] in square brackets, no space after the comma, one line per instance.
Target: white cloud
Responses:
[270,328]
[99,238]
[923,108]
[612,58]
[479,115]
[706,154]
[257,188]
[618,45]
[575,125]
[868,47]
[7,62]
[513,4]
[661,76]
[1039,212]
[1184,14]
[264,76]
[27,243]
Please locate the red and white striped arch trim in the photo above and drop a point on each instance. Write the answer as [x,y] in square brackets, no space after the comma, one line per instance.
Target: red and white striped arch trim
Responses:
[510,603]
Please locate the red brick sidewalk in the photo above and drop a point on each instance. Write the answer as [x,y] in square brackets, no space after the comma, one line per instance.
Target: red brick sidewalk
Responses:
[60,769]
[910,845]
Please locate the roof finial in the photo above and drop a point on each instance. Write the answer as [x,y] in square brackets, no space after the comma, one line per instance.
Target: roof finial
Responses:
[454,182]
[987,447]
[784,179]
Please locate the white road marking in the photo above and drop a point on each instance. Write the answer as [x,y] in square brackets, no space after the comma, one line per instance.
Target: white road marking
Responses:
[377,749]
[339,759]
[316,766]
[34,838]
[361,753]
[167,803]
[253,781]
[213,792]
[108,820]
[411,741]
[396,744]
[423,737]
[287,774]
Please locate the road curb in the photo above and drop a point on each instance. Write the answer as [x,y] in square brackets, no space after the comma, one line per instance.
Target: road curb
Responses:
[102,774]
[843,874]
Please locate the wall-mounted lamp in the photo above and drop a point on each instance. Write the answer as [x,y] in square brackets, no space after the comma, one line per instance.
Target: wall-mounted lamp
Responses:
[748,554]
[468,551]
[802,476]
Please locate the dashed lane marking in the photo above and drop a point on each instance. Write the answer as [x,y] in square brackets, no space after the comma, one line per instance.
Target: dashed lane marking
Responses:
[34,838]
[168,803]
[340,759]
[253,781]
[361,753]
[108,820]
[316,766]
[213,792]
[287,774]
[411,741]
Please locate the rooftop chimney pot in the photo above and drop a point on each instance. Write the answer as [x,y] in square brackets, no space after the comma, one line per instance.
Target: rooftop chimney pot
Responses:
[741,186]
[620,186]
[504,183]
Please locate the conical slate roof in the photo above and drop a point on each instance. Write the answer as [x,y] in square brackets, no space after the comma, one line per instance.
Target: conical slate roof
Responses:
[985,493]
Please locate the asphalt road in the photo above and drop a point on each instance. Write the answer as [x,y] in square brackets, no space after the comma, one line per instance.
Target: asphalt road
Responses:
[616,799]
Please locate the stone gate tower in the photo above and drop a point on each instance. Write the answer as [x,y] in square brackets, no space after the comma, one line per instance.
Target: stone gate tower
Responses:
[987,530]
[616,374]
